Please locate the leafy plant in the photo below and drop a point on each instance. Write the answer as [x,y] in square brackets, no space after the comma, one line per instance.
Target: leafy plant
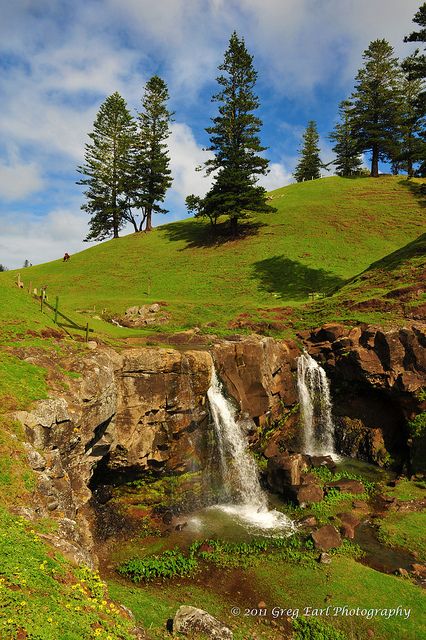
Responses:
[313,629]
[170,564]
[417,426]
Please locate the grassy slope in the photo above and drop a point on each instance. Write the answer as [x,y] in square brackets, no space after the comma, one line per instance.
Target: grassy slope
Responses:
[324,233]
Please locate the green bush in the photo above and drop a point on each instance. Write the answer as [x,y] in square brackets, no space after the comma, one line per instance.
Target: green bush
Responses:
[170,564]
[312,629]
[417,426]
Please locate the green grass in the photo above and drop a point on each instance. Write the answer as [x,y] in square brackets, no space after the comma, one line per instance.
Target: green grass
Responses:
[44,598]
[406,530]
[323,234]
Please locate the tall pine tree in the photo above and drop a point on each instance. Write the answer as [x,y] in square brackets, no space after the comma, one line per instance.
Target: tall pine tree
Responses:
[348,161]
[108,165]
[151,176]
[235,144]
[412,143]
[376,104]
[415,69]
[310,164]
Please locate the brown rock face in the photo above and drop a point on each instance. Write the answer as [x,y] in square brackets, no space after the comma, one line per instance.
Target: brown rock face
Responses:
[257,372]
[284,471]
[376,377]
[326,538]
[349,524]
[309,493]
[162,403]
[347,486]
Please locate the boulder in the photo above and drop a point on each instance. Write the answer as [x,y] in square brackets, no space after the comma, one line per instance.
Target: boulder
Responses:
[309,493]
[322,461]
[345,485]
[190,620]
[326,538]
[349,524]
[284,471]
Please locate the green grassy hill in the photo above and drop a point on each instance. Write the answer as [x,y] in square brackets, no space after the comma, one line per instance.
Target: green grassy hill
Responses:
[324,234]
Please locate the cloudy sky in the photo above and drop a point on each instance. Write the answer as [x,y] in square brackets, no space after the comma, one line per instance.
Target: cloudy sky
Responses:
[60,59]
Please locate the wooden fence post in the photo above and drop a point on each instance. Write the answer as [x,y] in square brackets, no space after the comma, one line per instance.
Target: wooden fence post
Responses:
[87,332]
[56,310]
[41,301]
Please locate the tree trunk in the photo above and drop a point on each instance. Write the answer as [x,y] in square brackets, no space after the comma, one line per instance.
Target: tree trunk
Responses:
[234,225]
[410,171]
[148,225]
[375,161]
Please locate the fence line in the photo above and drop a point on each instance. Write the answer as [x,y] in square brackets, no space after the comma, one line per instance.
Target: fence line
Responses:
[44,303]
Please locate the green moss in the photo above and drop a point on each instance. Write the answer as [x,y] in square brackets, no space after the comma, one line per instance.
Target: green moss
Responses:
[405,530]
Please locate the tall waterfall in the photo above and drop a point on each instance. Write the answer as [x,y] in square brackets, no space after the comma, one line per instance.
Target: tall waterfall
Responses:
[245,499]
[238,468]
[315,406]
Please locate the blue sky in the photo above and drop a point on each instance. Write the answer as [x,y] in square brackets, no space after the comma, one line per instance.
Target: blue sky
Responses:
[60,59]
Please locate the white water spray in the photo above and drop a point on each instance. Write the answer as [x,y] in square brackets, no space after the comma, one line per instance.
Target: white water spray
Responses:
[245,498]
[315,407]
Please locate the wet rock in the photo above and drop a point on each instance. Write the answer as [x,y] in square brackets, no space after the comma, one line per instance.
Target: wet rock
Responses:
[349,524]
[284,472]
[322,461]
[258,373]
[308,521]
[345,485]
[190,620]
[326,538]
[309,493]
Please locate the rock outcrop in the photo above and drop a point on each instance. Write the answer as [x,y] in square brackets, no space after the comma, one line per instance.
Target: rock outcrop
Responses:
[377,377]
[190,620]
[259,373]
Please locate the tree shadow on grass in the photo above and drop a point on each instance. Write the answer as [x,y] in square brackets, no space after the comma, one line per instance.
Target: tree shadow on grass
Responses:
[393,260]
[293,280]
[198,234]
[418,190]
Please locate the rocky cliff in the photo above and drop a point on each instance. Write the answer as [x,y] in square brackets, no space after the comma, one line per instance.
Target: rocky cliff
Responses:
[145,409]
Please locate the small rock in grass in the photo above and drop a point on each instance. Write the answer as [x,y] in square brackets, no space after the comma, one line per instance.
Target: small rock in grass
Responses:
[326,538]
[325,558]
[189,620]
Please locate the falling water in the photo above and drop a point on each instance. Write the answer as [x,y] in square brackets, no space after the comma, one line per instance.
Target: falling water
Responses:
[245,498]
[315,406]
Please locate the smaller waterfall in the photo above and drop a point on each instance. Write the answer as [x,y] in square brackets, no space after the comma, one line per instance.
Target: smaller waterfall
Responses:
[315,407]
[245,499]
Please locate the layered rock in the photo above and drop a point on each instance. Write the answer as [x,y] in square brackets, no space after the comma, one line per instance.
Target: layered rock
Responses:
[259,373]
[377,377]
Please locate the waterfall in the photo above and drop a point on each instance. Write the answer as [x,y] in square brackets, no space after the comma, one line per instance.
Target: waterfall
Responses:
[315,406]
[238,468]
[245,499]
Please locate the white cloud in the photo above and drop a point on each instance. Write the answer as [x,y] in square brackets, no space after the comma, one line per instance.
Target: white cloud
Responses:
[186,155]
[277,177]
[19,180]
[29,237]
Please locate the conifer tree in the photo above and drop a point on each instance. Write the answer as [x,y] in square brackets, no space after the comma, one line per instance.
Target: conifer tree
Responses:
[376,103]
[235,144]
[108,165]
[348,161]
[412,144]
[309,165]
[151,176]
[415,69]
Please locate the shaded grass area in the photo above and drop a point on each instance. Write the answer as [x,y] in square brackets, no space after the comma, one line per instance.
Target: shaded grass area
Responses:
[405,530]
[323,234]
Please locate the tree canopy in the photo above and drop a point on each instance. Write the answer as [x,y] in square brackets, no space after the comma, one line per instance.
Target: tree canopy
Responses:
[235,144]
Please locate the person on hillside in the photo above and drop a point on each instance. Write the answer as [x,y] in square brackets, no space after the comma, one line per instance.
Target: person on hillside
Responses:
[66,257]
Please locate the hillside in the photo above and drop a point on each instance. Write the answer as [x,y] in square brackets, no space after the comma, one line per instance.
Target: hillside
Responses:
[324,234]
